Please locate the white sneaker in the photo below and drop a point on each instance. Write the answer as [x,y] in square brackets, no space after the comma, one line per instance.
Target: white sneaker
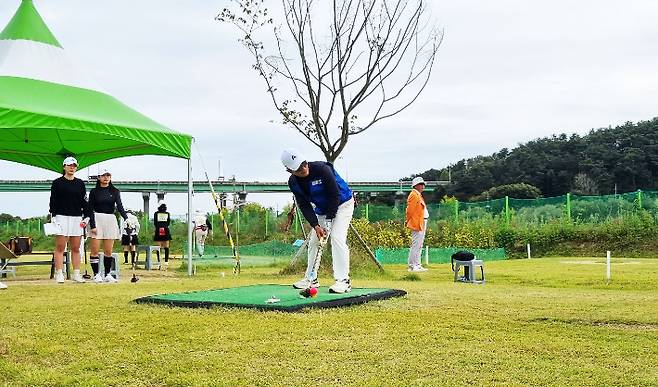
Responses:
[306,283]
[77,277]
[59,277]
[417,269]
[2,286]
[109,279]
[98,278]
[341,286]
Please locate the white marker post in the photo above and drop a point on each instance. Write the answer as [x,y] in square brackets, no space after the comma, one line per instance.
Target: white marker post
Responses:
[427,255]
[607,264]
[528,250]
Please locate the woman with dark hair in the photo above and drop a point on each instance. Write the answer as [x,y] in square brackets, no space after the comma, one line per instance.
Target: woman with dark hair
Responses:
[68,203]
[161,221]
[130,237]
[104,200]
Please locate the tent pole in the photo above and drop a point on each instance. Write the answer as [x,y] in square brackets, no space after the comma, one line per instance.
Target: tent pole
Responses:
[189,215]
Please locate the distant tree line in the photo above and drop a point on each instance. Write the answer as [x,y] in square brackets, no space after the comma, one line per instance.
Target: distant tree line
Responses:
[624,158]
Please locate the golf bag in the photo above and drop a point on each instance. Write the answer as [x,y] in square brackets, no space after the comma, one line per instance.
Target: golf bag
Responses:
[20,245]
[462,256]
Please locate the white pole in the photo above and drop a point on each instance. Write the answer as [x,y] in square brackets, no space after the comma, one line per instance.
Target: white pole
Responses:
[528,250]
[427,255]
[607,264]
[189,214]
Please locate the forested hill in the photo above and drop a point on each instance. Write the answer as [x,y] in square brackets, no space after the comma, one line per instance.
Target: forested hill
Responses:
[592,164]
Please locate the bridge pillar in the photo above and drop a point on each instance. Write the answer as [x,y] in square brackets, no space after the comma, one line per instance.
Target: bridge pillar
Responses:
[160,196]
[242,197]
[399,198]
[146,196]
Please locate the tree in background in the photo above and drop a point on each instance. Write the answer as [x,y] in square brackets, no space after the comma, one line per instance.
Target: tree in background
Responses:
[584,185]
[340,66]
[517,191]
[620,159]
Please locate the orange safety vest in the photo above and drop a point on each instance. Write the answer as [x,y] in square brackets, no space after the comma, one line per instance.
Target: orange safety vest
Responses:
[415,214]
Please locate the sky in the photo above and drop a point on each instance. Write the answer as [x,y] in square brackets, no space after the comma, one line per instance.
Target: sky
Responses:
[507,72]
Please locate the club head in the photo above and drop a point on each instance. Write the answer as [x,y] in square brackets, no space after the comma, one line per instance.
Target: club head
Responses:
[86,276]
[134,279]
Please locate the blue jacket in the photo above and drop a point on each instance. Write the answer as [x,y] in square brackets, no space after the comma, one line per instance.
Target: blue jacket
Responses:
[323,187]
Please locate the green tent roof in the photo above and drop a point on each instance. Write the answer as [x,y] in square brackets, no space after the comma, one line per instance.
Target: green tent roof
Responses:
[48,112]
[27,24]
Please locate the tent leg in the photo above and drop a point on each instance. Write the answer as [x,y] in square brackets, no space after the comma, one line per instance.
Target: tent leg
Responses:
[189,216]
[365,247]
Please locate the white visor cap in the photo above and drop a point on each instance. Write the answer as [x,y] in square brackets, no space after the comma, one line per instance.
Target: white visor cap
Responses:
[292,159]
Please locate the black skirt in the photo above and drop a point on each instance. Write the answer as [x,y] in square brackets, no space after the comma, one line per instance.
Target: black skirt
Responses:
[127,240]
[162,234]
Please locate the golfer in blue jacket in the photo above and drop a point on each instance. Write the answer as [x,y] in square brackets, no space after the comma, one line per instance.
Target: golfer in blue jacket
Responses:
[326,202]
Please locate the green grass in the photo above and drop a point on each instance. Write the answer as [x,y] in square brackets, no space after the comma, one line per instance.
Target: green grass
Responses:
[550,321]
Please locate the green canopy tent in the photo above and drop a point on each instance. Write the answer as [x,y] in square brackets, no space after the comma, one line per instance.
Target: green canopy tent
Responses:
[49,110]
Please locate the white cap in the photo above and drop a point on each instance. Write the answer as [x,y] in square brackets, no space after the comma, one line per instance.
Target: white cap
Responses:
[292,159]
[417,180]
[70,161]
[104,171]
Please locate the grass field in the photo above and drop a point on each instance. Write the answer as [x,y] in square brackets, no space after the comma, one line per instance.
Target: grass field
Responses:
[551,321]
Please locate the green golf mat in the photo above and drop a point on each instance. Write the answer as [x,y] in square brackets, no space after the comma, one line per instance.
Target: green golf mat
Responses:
[264,297]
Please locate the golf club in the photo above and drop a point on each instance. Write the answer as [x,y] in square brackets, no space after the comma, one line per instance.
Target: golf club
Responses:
[322,242]
[84,251]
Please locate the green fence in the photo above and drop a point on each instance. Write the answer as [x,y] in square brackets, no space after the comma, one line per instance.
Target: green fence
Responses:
[435,255]
[24,227]
[265,249]
[574,208]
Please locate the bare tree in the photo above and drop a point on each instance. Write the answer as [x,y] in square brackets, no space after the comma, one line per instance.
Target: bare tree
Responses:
[369,60]
[584,185]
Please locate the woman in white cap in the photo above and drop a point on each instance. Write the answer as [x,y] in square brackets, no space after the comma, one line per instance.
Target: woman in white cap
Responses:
[161,221]
[104,200]
[416,221]
[68,204]
[317,183]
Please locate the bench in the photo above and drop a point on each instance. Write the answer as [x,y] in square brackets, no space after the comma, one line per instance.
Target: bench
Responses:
[12,261]
[114,270]
[148,261]
[470,268]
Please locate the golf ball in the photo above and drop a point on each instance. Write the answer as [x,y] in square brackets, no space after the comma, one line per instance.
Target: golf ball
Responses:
[313,292]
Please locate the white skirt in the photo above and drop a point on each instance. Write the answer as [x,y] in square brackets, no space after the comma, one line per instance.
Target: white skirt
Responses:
[68,225]
[106,226]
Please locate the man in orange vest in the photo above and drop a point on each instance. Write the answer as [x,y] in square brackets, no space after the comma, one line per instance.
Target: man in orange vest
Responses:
[416,220]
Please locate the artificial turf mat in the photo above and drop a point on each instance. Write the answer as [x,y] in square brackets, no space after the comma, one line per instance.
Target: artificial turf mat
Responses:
[257,296]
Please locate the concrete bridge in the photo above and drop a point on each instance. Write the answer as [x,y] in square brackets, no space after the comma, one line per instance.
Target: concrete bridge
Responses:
[223,187]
